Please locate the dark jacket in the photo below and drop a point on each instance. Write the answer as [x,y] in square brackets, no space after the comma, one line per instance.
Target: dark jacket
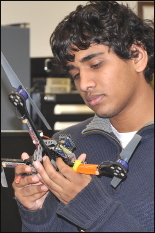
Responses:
[99,207]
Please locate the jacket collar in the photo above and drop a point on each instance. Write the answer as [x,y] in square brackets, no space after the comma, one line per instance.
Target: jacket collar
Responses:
[99,123]
[103,124]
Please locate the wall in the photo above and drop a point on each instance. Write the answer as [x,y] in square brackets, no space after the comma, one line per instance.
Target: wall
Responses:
[15,48]
[43,17]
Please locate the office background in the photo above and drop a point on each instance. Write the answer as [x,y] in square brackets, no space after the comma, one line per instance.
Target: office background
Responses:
[27,55]
[42,17]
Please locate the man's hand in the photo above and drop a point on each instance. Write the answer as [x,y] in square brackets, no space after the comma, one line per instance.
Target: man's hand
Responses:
[30,191]
[65,183]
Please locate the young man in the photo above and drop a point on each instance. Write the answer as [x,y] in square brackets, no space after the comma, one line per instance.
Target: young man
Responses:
[108,51]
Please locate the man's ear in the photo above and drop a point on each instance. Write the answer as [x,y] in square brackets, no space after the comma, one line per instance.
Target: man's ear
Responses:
[141,59]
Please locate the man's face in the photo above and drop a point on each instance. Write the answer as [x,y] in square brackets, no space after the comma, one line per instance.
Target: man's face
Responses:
[106,83]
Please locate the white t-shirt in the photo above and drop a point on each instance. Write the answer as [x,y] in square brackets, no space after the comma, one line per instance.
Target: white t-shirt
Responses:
[124,138]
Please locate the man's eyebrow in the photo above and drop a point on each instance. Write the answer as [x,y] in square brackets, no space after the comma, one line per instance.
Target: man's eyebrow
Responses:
[87,58]
[84,59]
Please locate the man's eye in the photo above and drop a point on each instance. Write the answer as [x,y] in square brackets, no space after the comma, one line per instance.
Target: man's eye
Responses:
[96,65]
[75,76]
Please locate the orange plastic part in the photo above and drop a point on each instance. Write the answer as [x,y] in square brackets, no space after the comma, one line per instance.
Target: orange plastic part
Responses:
[89,169]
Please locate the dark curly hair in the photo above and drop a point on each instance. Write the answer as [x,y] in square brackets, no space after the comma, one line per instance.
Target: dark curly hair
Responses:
[103,22]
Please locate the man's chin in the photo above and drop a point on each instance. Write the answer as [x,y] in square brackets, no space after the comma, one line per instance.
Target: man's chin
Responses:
[105,115]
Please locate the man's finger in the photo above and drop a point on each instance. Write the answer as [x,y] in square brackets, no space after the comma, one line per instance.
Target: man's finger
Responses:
[82,157]
[24,156]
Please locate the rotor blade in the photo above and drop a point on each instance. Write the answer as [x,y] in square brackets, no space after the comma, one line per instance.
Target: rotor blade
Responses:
[129,149]
[15,82]
[3,178]
[39,113]
[126,155]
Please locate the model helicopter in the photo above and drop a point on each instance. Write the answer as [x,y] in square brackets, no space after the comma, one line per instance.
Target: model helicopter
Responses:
[63,147]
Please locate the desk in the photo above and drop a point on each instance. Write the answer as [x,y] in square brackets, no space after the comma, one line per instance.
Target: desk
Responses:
[13,144]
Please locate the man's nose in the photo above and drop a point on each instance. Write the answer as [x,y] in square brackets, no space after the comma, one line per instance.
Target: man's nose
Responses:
[87,81]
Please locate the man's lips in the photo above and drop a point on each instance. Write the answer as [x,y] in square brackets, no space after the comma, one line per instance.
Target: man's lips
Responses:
[94,99]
